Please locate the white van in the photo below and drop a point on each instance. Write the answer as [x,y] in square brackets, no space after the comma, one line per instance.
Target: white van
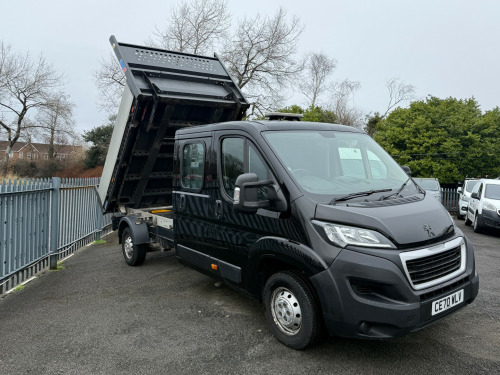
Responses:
[484,205]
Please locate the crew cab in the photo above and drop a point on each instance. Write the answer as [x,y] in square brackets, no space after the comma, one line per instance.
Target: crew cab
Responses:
[314,220]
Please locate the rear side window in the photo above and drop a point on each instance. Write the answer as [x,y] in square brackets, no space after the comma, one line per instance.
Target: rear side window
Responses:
[193,161]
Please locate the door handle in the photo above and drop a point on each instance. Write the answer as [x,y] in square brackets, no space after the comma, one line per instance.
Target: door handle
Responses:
[183,202]
[218,209]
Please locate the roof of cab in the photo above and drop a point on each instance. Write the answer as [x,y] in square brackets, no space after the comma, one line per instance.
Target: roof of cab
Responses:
[264,125]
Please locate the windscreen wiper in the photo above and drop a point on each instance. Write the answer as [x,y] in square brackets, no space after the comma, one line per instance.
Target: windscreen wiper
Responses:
[358,194]
[397,192]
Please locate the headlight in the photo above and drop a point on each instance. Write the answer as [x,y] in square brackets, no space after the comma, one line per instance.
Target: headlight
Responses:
[465,198]
[343,235]
[488,206]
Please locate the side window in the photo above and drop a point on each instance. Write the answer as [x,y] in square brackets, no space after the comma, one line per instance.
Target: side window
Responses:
[193,162]
[233,162]
[257,165]
[480,191]
[240,156]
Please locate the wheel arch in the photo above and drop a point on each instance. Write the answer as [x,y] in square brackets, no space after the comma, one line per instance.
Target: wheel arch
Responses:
[278,255]
[139,229]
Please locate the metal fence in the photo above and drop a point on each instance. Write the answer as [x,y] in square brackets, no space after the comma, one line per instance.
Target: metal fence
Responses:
[42,221]
[450,200]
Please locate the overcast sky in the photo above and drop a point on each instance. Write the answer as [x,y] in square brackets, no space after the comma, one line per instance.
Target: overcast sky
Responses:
[442,47]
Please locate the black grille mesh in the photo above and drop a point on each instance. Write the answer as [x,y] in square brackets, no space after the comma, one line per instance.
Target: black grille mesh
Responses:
[433,267]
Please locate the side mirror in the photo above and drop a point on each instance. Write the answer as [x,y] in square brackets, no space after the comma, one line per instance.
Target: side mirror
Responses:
[474,195]
[246,199]
[460,190]
[407,170]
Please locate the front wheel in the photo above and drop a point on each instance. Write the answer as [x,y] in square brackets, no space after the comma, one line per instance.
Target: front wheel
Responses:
[291,311]
[467,220]
[477,223]
[134,254]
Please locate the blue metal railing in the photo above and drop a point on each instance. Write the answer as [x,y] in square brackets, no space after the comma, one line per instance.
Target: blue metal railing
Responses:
[43,221]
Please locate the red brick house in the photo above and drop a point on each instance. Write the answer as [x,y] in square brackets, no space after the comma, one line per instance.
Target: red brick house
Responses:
[39,151]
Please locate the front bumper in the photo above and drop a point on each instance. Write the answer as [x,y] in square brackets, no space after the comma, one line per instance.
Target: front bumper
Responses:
[367,296]
[491,219]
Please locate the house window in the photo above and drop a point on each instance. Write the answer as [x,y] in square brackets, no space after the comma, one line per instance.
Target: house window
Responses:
[46,156]
[28,155]
[35,155]
[20,155]
[11,154]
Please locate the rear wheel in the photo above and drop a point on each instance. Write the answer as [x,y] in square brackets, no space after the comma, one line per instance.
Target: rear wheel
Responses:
[134,254]
[291,310]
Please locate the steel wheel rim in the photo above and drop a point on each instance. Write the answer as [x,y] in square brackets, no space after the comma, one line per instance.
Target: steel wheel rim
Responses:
[286,311]
[128,247]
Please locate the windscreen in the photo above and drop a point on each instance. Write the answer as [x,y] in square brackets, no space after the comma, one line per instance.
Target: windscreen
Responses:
[469,185]
[330,163]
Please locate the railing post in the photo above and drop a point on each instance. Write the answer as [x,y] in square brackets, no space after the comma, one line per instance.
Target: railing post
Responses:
[100,215]
[54,221]
[99,222]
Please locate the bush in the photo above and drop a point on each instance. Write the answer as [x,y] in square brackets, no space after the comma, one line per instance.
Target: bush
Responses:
[25,168]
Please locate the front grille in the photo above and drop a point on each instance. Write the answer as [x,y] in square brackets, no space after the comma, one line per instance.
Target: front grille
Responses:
[433,267]
[441,291]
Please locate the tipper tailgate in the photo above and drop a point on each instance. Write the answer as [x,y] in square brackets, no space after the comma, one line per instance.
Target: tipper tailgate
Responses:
[165,91]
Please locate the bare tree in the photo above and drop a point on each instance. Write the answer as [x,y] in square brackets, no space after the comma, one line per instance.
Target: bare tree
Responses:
[318,69]
[194,27]
[110,81]
[342,93]
[25,85]
[260,57]
[56,123]
[398,92]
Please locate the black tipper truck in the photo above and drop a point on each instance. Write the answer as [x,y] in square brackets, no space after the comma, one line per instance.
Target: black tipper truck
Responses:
[314,220]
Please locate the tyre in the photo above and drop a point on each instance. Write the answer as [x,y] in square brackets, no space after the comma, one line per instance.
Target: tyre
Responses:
[478,223]
[134,254]
[467,220]
[460,217]
[292,313]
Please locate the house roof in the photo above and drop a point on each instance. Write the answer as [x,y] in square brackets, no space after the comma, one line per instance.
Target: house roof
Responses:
[41,148]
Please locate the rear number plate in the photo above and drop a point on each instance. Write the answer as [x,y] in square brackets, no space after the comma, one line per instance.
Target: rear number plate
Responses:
[447,302]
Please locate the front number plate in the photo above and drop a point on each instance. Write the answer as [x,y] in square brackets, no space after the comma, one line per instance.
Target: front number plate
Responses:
[447,302]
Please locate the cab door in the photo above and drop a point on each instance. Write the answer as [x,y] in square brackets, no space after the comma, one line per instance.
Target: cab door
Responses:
[234,235]
[474,202]
[191,201]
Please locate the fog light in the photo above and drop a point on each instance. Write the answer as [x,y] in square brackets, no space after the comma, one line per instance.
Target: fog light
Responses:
[365,327]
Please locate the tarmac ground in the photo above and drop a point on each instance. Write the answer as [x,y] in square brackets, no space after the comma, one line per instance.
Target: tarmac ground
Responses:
[99,316]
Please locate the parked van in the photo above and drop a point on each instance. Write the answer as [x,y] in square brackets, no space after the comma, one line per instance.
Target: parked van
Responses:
[484,205]
[464,193]
[314,220]
[431,185]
